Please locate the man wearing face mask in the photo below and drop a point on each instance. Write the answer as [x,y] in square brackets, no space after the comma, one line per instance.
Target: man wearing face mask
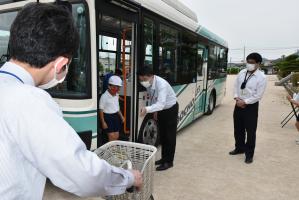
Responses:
[35,141]
[249,88]
[163,104]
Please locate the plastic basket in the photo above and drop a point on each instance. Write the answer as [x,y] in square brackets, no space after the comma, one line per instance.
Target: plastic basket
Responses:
[142,158]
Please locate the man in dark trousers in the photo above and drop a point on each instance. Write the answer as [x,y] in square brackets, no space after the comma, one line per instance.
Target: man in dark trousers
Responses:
[248,91]
[163,103]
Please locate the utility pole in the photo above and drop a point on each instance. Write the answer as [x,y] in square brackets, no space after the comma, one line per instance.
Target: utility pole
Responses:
[244,54]
[230,62]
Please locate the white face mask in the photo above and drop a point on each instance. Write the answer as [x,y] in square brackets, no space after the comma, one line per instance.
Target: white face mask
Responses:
[250,67]
[145,84]
[54,81]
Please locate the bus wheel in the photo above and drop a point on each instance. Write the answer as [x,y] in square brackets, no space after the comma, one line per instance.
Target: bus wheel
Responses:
[149,133]
[211,105]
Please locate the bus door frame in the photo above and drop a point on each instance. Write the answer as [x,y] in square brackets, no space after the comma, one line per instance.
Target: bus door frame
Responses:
[129,12]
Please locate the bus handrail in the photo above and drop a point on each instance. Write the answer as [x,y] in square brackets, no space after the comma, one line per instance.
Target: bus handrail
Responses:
[124,71]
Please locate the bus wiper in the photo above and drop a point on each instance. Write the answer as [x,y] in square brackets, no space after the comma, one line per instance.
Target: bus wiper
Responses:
[4,58]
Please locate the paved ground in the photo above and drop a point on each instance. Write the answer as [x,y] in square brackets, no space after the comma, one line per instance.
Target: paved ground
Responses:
[204,170]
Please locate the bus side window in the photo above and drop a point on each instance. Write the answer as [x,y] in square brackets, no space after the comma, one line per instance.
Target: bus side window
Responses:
[168,58]
[148,48]
[200,57]
[6,20]
[188,58]
[212,62]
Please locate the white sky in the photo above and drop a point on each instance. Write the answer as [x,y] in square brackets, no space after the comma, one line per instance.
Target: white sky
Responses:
[255,24]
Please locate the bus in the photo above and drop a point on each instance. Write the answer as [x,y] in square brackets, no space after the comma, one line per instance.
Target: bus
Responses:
[127,35]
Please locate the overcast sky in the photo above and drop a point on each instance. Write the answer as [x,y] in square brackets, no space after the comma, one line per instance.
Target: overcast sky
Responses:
[255,24]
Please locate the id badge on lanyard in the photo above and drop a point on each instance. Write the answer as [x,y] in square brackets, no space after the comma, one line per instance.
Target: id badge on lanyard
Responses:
[243,92]
[152,96]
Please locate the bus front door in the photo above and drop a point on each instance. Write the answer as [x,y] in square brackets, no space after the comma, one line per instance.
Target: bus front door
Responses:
[200,81]
[116,40]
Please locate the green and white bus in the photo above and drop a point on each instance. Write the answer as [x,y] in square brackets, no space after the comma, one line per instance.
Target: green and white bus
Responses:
[127,35]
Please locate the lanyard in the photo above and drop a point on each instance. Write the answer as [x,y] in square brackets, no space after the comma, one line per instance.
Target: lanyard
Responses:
[152,96]
[11,74]
[243,85]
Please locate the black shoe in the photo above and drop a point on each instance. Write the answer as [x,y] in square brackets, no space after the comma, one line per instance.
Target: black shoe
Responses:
[159,162]
[248,160]
[235,152]
[164,166]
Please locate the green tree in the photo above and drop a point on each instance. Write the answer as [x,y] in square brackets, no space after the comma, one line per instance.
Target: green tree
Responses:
[288,65]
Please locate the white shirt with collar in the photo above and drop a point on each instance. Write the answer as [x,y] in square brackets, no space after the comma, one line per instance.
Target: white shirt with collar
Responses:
[161,95]
[36,142]
[255,86]
[109,104]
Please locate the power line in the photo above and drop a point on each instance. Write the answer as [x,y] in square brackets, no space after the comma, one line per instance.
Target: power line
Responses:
[265,48]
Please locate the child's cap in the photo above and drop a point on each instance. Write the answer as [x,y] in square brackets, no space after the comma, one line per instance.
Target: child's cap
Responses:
[115,80]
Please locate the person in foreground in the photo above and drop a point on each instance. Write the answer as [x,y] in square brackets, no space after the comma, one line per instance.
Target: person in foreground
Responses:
[35,141]
[249,88]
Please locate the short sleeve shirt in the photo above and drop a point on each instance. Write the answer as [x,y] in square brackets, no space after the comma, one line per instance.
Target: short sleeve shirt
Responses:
[109,104]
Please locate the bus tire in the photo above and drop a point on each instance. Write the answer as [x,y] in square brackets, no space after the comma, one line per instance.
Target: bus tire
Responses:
[212,103]
[149,132]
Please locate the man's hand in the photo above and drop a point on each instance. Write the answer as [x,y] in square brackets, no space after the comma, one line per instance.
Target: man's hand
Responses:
[295,103]
[241,103]
[137,179]
[143,112]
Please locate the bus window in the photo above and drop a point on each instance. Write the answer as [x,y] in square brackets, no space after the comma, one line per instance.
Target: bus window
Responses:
[212,62]
[107,61]
[217,63]
[200,57]
[107,43]
[168,54]
[223,63]
[188,59]
[109,23]
[107,55]
[126,48]
[6,20]
[77,83]
[148,42]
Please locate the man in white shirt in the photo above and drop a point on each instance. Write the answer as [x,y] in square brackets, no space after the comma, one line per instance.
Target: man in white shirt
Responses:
[249,88]
[35,141]
[163,103]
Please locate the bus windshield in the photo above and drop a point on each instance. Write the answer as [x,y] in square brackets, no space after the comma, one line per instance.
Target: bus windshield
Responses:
[77,85]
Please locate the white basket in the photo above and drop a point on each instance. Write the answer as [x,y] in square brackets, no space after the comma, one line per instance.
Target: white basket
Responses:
[142,158]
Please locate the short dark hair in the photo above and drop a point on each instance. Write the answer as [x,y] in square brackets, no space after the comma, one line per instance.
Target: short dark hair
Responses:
[145,71]
[42,32]
[256,57]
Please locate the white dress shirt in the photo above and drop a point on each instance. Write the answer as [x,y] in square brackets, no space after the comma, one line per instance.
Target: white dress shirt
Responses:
[36,142]
[109,104]
[255,86]
[161,95]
